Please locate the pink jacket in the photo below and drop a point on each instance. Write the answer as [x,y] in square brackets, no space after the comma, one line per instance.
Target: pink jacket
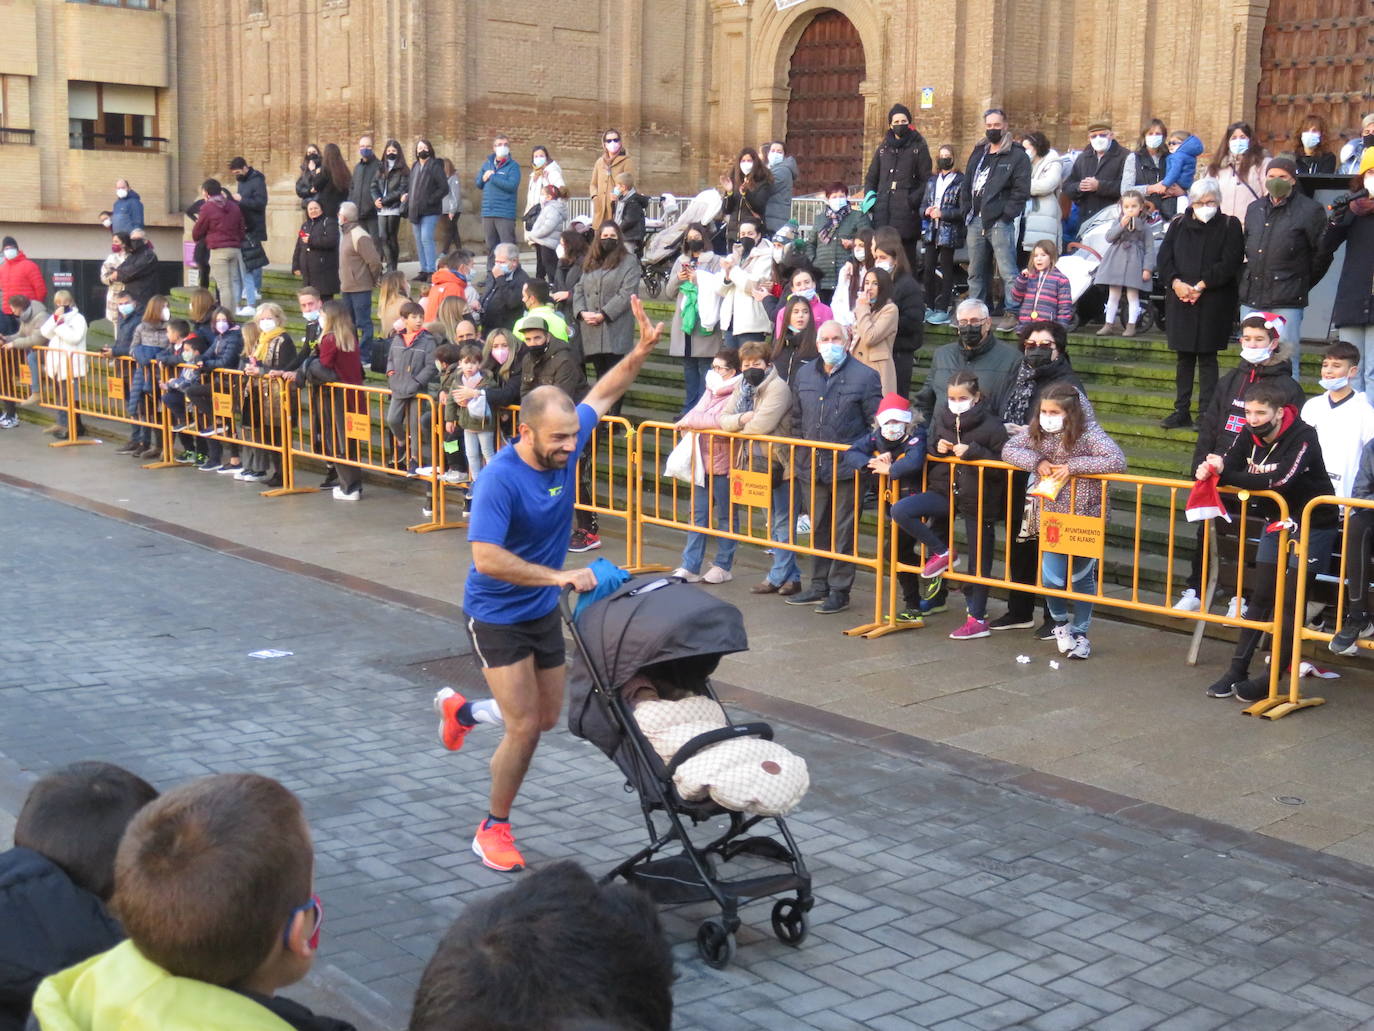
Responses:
[705,415]
[820,311]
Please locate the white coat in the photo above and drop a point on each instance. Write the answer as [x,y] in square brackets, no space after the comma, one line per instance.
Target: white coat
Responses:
[65,332]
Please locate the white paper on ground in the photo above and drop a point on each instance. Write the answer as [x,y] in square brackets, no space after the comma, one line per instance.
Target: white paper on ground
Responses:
[269,653]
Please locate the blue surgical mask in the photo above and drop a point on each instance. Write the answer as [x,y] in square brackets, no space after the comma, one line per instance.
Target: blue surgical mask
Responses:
[126,309]
[810,295]
[832,354]
[1339,383]
[311,316]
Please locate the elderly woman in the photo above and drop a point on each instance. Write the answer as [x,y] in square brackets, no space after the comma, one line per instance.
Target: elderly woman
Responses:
[273,352]
[316,259]
[1199,266]
[714,455]
[65,362]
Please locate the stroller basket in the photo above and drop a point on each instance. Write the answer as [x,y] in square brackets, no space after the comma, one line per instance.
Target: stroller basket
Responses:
[679,633]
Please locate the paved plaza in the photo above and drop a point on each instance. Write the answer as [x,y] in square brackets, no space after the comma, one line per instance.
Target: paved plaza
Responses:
[954,891]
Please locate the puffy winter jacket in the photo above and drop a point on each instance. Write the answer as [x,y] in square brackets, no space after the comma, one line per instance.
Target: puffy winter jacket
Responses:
[1282,242]
[836,407]
[1092,453]
[410,368]
[219,224]
[499,191]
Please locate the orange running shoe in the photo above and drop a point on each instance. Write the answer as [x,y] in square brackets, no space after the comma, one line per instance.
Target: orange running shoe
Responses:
[495,845]
[446,705]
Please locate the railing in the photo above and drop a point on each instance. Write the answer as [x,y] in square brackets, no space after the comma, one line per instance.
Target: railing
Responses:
[112,141]
[19,136]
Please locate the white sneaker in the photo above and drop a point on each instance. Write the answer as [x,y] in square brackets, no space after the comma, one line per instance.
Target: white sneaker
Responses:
[428,513]
[454,476]
[1237,609]
[1081,648]
[716,575]
[342,495]
[1063,638]
[681,573]
[1188,602]
[246,312]
[424,471]
[803,525]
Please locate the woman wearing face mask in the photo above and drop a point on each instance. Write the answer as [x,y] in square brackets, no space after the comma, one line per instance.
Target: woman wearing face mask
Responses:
[65,362]
[783,168]
[748,274]
[889,254]
[613,160]
[851,276]
[388,198]
[795,343]
[875,328]
[1064,441]
[316,258]
[802,283]
[895,184]
[713,497]
[1355,156]
[1151,154]
[1044,215]
[547,229]
[261,405]
[338,181]
[944,230]
[1313,152]
[833,236]
[313,175]
[544,172]
[1238,167]
[424,203]
[746,193]
[570,253]
[1352,224]
[601,300]
[1199,266]
[694,287]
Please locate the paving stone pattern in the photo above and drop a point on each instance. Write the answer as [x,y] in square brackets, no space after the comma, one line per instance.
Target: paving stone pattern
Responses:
[943,902]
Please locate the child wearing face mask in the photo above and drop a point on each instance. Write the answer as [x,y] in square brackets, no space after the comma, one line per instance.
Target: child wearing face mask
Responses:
[223,352]
[187,347]
[849,279]
[1041,292]
[1341,415]
[965,428]
[1063,442]
[944,230]
[1128,263]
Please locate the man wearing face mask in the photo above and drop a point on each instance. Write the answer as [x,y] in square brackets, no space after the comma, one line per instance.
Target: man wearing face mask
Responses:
[974,350]
[127,213]
[19,276]
[896,181]
[834,400]
[360,270]
[501,301]
[1352,224]
[1101,173]
[994,192]
[252,201]
[360,190]
[499,181]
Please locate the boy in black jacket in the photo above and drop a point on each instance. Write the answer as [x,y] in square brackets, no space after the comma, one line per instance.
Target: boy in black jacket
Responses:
[1276,451]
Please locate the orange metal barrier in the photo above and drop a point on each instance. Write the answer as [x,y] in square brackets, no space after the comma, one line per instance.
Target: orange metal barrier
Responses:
[60,375]
[606,479]
[104,392]
[756,465]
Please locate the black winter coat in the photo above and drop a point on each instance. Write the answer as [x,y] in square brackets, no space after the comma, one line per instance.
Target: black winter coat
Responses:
[1282,242]
[837,408]
[1004,194]
[389,187]
[747,205]
[984,433]
[1107,168]
[1291,464]
[1206,252]
[565,277]
[253,204]
[632,218]
[502,306]
[1355,292]
[554,365]
[360,192]
[317,254]
[310,184]
[47,923]
[428,188]
[909,298]
[897,175]
[1225,416]
[1148,169]
[138,273]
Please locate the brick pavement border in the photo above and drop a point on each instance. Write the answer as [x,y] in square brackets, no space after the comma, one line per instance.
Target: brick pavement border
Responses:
[1124,809]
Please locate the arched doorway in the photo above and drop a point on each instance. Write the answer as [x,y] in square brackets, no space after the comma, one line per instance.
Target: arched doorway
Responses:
[825,113]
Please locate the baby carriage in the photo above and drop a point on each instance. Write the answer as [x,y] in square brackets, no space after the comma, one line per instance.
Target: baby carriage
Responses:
[663,247]
[1081,261]
[678,632]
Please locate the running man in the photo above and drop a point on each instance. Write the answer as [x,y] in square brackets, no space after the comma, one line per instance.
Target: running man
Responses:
[522,512]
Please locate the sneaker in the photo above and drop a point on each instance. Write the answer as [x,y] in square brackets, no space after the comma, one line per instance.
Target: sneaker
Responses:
[1063,638]
[454,476]
[971,629]
[330,481]
[230,470]
[427,512]
[447,702]
[213,431]
[247,477]
[185,427]
[932,606]
[582,540]
[185,458]
[1237,609]
[910,617]
[424,471]
[1080,648]
[1009,622]
[716,575]
[9,422]
[935,565]
[1253,690]
[803,525]
[1225,687]
[208,466]
[1176,420]
[1188,601]
[343,495]
[807,597]
[1354,628]
[246,312]
[1007,323]
[127,449]
[1045,631]
[495,846]
[683,573]
[836,601]
[931,588]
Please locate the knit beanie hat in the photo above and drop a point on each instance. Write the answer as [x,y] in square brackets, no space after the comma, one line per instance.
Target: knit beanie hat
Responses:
[898,109]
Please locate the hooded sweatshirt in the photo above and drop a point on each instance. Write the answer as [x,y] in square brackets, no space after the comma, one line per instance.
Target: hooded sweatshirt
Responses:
[1225,416]
[1291,464]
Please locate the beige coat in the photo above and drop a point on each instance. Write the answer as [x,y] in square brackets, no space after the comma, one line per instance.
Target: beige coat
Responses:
[359,264]
[874,333]
[772,412]
[603,181]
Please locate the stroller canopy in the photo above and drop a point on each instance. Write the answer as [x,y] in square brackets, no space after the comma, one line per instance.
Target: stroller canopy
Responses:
[703,208]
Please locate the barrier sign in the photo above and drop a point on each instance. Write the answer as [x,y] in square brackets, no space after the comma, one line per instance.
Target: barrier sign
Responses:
[25,374]
[357,426]
[115,386]
[1083,536]
[224,405]
[750,488]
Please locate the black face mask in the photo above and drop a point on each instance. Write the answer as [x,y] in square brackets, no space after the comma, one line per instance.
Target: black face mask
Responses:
[422,154]
[970,336]
[607,247]
[747,243]
[693,246]
[994,135]
[1264,429]
[754,376]
[392,157]
[1368,139]
[945,163]
[900,131]
[1038,357]
[240,176]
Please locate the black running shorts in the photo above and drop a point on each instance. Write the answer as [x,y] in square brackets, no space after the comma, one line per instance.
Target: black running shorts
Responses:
[505,644]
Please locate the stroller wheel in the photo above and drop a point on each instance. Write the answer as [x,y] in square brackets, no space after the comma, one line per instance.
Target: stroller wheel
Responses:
[715,943]
[789,921]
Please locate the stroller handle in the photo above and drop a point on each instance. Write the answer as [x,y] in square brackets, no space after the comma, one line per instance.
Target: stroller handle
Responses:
[711,737]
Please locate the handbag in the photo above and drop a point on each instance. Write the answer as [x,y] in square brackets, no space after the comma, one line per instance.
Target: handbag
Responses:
[532,216]
[254,256]
[683,462]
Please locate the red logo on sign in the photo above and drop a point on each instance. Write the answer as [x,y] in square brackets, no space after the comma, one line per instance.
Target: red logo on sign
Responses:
[1052,533]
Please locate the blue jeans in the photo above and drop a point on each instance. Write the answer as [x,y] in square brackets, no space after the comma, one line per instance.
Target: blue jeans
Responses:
[716,493]
[1292,333]
[694,378]
[985,246]
[251,282]
[425,246]
[135,392]
[1054,570]
[734,340]
[360,305]
[785,569]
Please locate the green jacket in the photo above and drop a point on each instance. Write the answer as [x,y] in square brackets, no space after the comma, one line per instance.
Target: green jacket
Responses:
[120,990]
[828,256]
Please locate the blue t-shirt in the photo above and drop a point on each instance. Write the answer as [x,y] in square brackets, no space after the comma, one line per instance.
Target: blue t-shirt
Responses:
[529,513]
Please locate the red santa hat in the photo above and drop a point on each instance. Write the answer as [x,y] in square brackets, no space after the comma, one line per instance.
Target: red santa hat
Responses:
[894,408]
[1204,501]
[1273,322]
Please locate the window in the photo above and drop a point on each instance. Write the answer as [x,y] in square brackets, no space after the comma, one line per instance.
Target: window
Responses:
[142,5]
[14,109]
[110,116]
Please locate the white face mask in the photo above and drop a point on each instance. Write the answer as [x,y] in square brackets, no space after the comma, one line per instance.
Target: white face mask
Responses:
[714,380]
[267,325]
[1238,146]
[892,430]
[166,314]
[774,159]
[1255,355]
[1311,139]
[560,251]
[1205,212]
[746,167]
[501,151]
[11,253]
[121,194]
[1368,188]
[1154,140]
[1051,423]
[1100,143]
[961,407]
[105,222]
[613,147]
[837,203]
[885,265]
[860,254]
[1339,383]
[540,160]
[221,326]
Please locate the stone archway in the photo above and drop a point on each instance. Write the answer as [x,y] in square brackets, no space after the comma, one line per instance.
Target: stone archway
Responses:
[825,108]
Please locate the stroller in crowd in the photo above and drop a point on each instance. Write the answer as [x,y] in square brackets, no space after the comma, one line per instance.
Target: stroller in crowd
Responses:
[675,634]
[662,248]
[1081,261]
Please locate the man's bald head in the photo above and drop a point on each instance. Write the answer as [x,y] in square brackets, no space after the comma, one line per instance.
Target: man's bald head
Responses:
[540,403]
[548,427]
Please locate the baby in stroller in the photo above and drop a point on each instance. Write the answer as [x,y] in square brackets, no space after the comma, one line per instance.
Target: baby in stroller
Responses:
[663,246]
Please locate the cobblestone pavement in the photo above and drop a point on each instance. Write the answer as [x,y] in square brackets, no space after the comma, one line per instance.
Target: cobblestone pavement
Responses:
[946,900]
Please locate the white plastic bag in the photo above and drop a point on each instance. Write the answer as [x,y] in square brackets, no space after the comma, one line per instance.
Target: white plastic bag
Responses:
[683,462]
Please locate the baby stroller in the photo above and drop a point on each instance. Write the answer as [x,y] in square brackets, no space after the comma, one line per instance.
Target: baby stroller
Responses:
[1081,260]
[680,633]
[662,248]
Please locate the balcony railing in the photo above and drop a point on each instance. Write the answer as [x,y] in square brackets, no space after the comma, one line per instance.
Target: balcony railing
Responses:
[20,136]
[140,5]
[106,141]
